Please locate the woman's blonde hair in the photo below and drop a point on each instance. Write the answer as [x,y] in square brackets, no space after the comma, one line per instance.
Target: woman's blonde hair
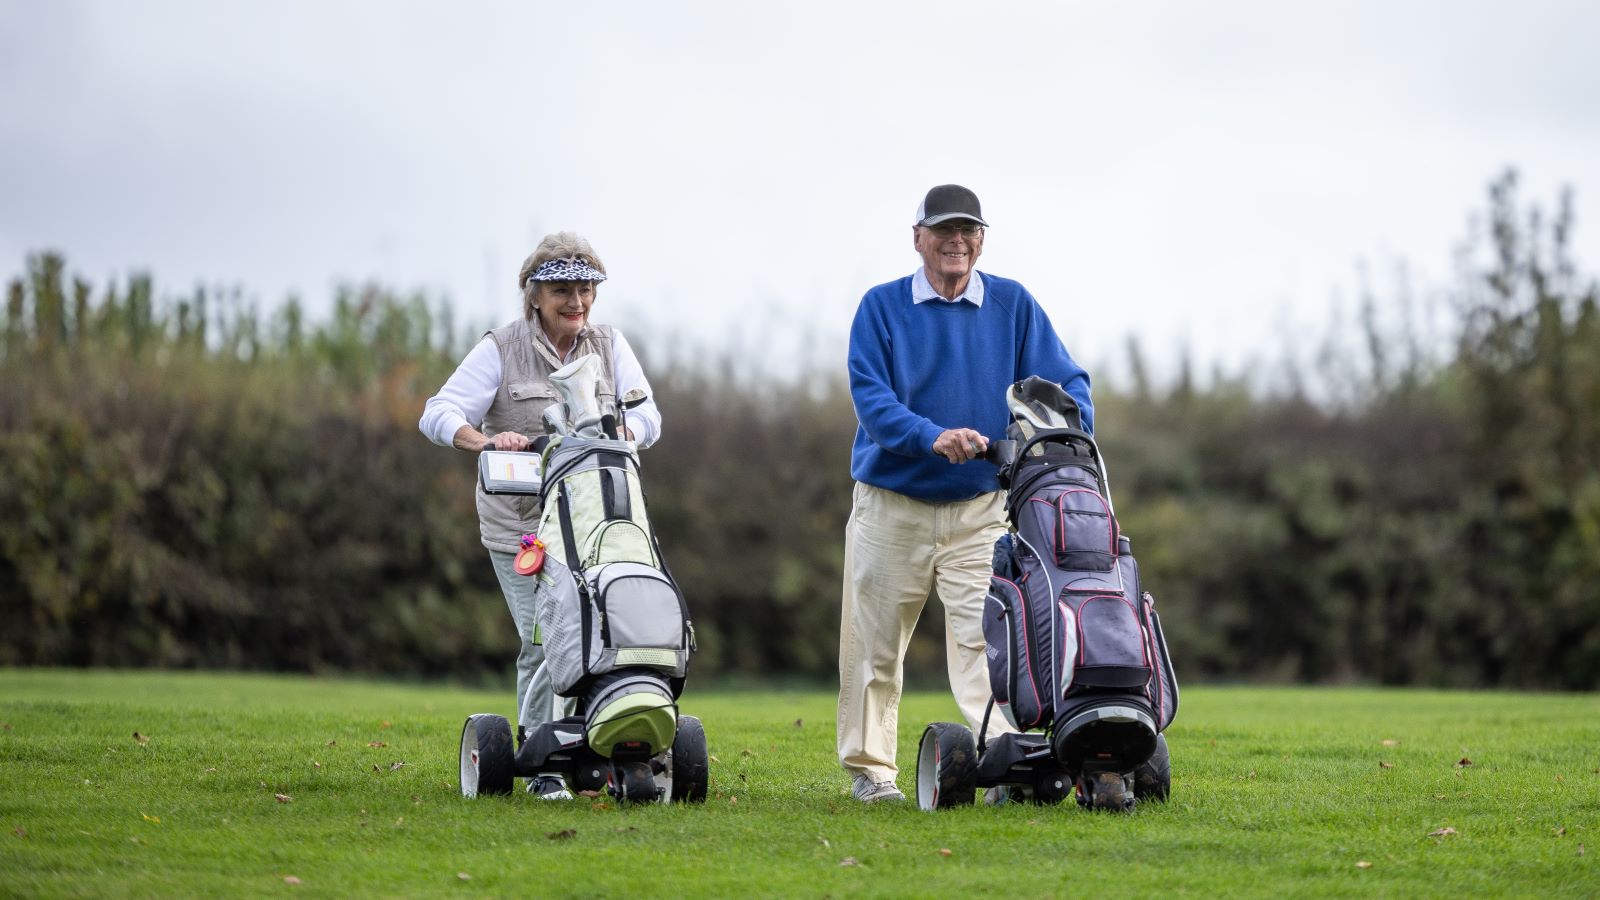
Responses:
[561,245]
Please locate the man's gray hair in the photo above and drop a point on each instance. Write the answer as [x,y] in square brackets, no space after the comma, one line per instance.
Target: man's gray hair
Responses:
[561,245]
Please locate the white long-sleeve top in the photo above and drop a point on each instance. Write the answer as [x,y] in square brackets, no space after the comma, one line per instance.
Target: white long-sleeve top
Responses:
[468,393]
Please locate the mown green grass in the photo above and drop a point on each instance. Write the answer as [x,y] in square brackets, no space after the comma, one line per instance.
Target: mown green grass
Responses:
[1275,792]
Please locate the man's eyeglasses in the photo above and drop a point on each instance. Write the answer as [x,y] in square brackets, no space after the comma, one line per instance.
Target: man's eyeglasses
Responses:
[951,229]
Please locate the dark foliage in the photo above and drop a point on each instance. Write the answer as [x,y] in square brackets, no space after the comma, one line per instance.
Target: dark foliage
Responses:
[193,484]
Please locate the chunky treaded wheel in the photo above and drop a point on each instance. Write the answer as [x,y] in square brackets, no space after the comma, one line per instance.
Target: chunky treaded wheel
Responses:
[486,755]
[691,763]
[947,767]
[633,782]
[1153,779]
[1105,790]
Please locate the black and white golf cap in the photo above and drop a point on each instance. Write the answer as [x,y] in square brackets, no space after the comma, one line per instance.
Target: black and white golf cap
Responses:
[949,201]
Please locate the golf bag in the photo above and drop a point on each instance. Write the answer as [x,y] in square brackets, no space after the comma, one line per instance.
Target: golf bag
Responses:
[613,623]
[1074,643]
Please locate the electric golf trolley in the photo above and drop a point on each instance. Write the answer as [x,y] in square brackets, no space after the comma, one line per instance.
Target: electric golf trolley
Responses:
[614,626]
[1077,661]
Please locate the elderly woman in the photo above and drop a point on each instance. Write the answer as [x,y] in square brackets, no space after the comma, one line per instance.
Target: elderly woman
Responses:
[494,401]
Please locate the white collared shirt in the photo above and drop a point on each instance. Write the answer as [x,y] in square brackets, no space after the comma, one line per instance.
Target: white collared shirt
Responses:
[466,396]
[922,289]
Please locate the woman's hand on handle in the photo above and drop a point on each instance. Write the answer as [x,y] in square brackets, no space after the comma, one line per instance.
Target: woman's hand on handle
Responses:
[469,438]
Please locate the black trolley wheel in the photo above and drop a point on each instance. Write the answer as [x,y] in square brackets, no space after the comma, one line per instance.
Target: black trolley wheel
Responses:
[947,767]
[691,762]
[486,756]
[1152,780]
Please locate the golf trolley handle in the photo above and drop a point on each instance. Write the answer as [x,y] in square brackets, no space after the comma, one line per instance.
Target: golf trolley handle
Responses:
[1001,453]
[535,445]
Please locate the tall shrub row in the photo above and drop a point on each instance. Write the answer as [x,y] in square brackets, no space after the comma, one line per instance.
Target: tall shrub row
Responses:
[195,483]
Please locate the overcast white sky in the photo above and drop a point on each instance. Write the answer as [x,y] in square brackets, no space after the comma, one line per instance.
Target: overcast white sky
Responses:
[1208,173]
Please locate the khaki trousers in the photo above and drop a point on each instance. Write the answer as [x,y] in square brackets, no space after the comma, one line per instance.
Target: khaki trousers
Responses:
[896,551]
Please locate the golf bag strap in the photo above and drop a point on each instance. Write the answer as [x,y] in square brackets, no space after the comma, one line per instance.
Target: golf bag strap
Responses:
[569,543]
[983,730]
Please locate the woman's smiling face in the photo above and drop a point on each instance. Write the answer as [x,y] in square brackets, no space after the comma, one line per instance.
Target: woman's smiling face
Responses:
[564,309]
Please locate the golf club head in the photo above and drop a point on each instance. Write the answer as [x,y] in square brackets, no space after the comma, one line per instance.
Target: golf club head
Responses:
[633,398]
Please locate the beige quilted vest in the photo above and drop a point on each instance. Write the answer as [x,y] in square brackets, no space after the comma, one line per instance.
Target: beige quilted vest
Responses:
[525,366]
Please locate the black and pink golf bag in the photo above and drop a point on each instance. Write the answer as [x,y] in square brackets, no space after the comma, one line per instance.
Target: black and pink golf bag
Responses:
[1074,643]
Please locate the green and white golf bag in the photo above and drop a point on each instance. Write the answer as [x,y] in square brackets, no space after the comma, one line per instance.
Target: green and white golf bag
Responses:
[613,623]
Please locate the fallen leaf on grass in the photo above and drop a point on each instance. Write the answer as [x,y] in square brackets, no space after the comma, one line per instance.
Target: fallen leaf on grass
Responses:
[733,801]
[376,744]
[1363,864]
[564,834]
[1463,762]
[714,759]
[746,753]
[385,725]
[415,800]
[315,764]
[140,738]
[1580,849]
[1390,743]
[798,723]
[210,769]
[399,820]
[824,841]
[155,819]
[333,743]
[849,861]
[463,876]
[290,880]
[1560,779]
[1560,832]
[283,798]
[1442,832]
[19,831]
[1385,765]
[600,807]
[397,765]
[8,726]
[944,851]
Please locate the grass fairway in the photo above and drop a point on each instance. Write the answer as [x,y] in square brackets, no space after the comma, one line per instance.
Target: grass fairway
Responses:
[167,784]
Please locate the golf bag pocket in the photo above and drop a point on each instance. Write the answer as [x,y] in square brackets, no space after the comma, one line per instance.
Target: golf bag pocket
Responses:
[1013,673]
[1085,531]
[1162,689]
[567,625]
[1113,645]
[642,619]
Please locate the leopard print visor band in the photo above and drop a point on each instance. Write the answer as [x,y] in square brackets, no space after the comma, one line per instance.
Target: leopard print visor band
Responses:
[568,268]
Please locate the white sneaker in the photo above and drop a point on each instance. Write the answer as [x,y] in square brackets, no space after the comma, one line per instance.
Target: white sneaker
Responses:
[549,787]
[868,791]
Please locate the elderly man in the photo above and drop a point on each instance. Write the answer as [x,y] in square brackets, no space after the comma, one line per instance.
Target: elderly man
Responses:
[931,357]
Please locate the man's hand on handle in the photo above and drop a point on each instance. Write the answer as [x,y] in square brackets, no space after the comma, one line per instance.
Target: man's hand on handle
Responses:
[960,445]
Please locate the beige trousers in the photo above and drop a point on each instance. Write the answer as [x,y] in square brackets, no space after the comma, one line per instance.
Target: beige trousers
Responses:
[896,551]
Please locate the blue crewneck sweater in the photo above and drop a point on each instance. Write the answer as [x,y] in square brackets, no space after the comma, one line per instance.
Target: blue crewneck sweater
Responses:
[917,369]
